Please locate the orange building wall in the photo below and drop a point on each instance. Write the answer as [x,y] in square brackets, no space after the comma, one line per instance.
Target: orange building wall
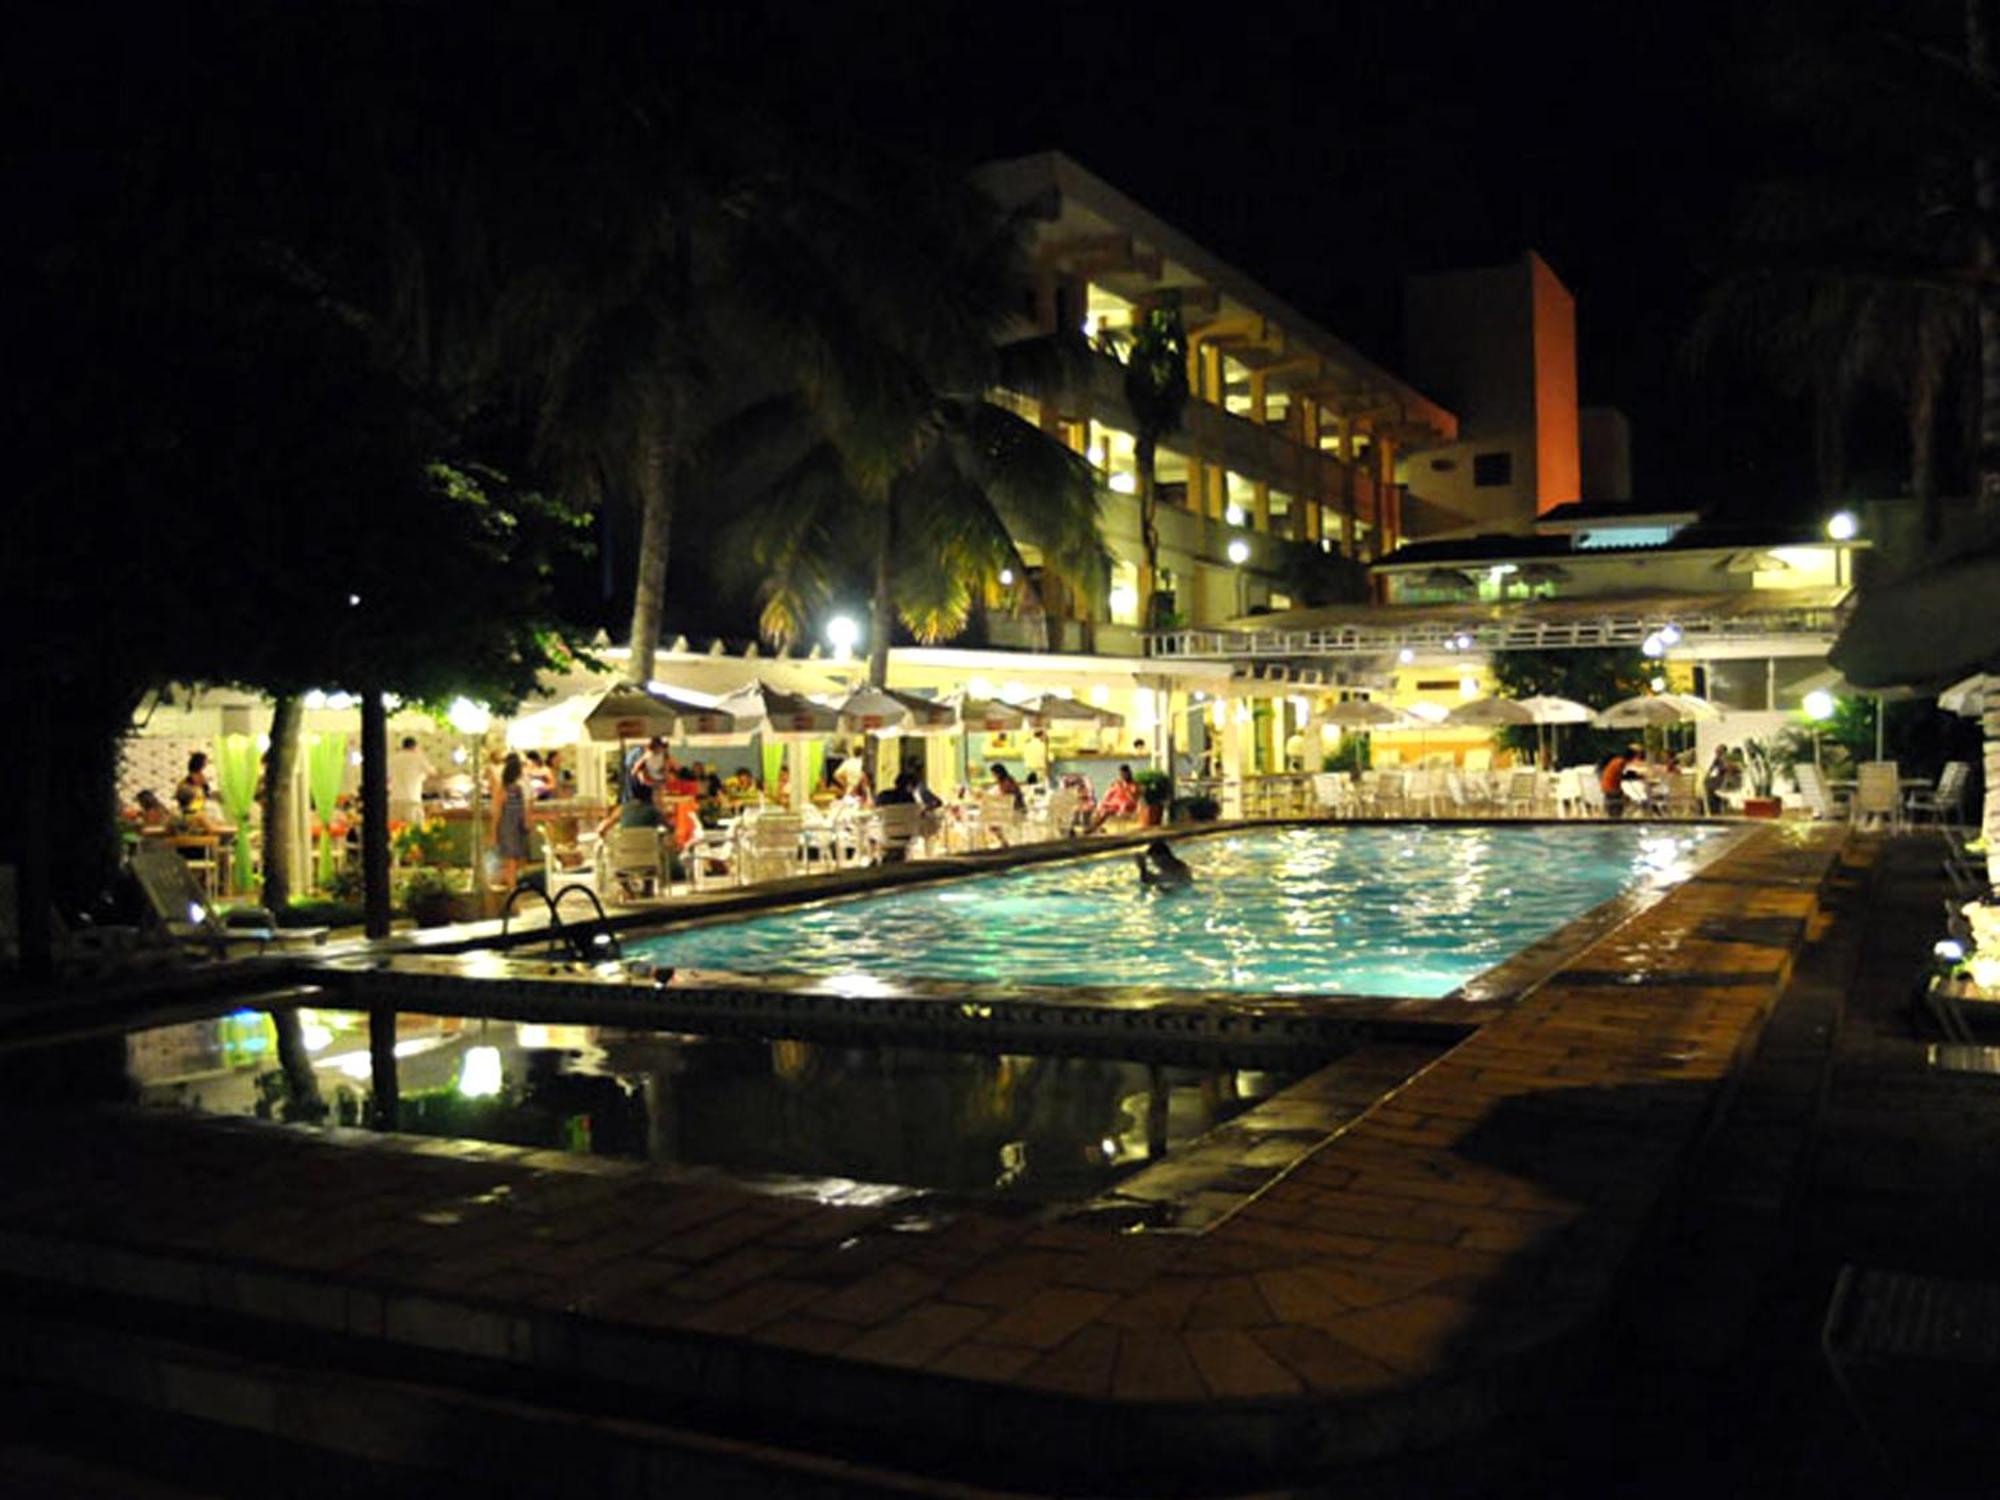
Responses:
[1558,454]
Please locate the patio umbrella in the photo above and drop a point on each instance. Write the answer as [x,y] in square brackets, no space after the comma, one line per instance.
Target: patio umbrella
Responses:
[1643,713]
[788,718]
[1551,713]
[873,710]
[1933,626]
[623,711]
[1364,713]
[781,718]
[1051,708]
[1491,711]
[984,715]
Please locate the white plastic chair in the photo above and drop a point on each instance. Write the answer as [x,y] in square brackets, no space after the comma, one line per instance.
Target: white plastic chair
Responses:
[769,847]
[892,830]
[1877,797]
[1946,800]
[631,865]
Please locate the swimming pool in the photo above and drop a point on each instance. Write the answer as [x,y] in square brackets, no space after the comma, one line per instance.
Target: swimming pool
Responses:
[1404,910]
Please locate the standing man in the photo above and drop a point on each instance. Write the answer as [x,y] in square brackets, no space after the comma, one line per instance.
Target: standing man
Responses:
[409,769]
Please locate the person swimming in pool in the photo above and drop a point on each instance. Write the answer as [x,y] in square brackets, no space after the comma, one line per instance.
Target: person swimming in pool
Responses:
[1166,870]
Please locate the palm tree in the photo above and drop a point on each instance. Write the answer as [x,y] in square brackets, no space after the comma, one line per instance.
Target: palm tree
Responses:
[1155,357]
[907,469]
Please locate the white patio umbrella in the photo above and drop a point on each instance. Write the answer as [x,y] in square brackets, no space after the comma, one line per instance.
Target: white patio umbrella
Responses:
[1549,710]
[623,711]
[1696,710]
[873,710]
[1365,713]
[1483,712]
[984,715]
[1645,712]
[789,718]
[1051,708]
[785,719]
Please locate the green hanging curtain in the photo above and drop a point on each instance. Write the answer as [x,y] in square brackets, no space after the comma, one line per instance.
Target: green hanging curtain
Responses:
[774,763]
[326,769]
[815,764]
[237,764]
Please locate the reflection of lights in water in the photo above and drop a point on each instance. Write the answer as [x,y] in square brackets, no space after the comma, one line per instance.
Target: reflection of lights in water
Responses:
[355,1064]
[854,985]
[479,1073]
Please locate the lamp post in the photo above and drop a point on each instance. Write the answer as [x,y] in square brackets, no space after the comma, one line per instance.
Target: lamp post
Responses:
[1818,707]
[1238,552]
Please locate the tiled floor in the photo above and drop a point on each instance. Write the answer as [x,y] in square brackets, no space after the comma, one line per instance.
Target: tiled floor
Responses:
[1421,1270]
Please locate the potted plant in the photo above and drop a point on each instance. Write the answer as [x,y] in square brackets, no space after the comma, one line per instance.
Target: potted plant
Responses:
[427,896]
[1759,769]
[1156,790]
[1200,808]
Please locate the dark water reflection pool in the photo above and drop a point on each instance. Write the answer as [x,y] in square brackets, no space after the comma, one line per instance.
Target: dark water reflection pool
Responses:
[1038,1127]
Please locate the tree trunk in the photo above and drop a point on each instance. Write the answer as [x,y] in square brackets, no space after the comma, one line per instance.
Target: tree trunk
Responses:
[882,600]
[1829,439]
[375,813]
[658,476]
[1986,196]
[1144,449]
[1921,415]
[300,1084]
[280,786]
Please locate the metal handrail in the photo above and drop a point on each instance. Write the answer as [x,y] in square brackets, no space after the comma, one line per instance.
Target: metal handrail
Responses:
[581,942]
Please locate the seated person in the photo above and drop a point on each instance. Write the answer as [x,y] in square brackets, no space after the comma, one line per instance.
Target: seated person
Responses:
[646,771]
[1166,870]
[1120,800]
[153,813]
[903,793]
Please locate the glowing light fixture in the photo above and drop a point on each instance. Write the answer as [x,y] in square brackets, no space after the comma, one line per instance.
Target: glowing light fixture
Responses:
[479,1074]
[1658,684]
[1464,642]
[1406,656]
[1124,484]
[1095,453]
[842,633]
[1233,515]
[1006,578]
[1949,950]
[468,717]
[1468,687]
[1239,551]
[1100,695]
[1653,646]
[1842,526]
[1670,635]
[1818,705]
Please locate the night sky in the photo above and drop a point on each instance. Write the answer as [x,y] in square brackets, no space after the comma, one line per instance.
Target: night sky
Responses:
[1330,149]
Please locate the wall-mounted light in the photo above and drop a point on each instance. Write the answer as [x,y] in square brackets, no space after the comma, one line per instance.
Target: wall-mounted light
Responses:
[1818,705]
[1239,551]
[1233,515]
[1843,526]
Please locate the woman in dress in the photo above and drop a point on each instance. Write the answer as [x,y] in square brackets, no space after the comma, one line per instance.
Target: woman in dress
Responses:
[510,823]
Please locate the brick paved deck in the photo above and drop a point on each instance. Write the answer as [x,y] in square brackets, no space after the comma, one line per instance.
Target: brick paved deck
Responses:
[1428,1268]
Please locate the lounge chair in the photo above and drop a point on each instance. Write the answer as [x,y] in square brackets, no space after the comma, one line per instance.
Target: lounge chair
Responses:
[183,911]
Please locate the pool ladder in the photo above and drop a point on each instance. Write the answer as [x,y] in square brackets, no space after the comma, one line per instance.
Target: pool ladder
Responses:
[592,943]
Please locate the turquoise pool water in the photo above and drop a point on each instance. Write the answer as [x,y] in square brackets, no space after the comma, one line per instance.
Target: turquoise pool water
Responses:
[1407,911]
